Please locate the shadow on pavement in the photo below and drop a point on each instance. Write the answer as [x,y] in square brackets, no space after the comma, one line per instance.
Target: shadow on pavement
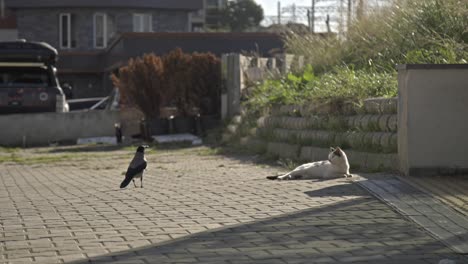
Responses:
[361,230]
[335,191]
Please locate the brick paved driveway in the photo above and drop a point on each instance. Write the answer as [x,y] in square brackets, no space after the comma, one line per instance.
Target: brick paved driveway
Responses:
[195,208]
[452,190]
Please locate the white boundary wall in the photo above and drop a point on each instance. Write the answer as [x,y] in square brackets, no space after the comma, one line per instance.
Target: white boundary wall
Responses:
[44,128]
[433,119]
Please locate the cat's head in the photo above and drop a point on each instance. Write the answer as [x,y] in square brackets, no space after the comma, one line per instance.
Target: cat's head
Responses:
[337,156]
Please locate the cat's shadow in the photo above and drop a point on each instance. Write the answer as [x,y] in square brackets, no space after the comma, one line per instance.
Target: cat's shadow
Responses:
[339,190]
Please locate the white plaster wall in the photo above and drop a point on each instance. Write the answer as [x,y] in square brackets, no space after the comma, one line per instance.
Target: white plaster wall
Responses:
[433,119]
[42,128]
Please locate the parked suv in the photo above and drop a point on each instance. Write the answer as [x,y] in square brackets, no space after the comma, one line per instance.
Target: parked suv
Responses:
[28,81]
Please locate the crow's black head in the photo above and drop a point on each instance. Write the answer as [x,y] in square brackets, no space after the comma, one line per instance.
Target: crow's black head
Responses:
[141,148]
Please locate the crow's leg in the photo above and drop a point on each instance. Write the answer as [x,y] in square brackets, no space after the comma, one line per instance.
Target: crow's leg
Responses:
[141,181]
[134,183]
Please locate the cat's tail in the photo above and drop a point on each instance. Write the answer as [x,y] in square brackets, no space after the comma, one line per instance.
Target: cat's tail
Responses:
[287,176]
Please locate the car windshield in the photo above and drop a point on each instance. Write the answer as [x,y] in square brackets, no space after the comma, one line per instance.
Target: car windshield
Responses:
[24,77]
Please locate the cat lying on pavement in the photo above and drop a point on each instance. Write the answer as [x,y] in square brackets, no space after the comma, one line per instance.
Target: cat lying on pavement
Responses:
[336,166]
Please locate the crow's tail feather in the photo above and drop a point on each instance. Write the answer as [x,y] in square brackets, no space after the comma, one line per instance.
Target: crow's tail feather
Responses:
[126,182]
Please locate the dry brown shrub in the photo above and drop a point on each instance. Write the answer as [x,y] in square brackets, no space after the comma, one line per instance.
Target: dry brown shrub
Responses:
[141,82]
[178,80]
[186,81]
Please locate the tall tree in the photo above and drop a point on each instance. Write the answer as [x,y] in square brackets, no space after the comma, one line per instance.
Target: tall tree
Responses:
[241,14]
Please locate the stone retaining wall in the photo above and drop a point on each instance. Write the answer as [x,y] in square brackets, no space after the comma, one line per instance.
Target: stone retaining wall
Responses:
[367,132]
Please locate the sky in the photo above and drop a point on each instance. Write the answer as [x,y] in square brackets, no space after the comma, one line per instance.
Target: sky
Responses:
[270,6]
[271,12]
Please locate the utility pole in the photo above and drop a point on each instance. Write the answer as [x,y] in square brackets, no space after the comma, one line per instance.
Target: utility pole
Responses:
[279,12]
[341,26]
[312,17]
[294,17]
[350,7]
[2,7]
[360,9]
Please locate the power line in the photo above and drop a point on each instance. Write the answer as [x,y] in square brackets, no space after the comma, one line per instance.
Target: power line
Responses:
[337,12]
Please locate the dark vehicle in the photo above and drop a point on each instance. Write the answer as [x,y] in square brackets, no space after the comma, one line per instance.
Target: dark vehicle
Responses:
[28,81]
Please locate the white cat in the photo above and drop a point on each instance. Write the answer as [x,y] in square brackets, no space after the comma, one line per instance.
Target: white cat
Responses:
[336,166]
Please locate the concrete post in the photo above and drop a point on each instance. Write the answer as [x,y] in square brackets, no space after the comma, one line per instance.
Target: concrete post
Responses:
[232,79]
[433,119]
[284,62]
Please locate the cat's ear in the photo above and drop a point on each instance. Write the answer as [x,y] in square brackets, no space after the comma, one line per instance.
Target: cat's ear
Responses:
[332,149]
[337,151]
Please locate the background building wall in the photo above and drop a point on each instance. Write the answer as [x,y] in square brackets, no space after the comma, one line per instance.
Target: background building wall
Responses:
[40,24]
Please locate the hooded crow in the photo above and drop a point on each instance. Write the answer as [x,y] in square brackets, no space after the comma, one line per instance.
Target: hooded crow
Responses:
[136,168]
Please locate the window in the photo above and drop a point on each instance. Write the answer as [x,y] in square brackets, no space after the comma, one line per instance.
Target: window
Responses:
[142,23]
[200,12]
[197,27]
[66,31]
[24,76]
[212,4]
[100,30]
[111,29]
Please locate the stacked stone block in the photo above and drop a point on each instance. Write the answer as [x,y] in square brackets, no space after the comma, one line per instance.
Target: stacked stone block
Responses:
[366,131]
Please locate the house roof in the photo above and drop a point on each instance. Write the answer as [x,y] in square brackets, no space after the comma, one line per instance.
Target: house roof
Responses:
[160,4]
[131,45]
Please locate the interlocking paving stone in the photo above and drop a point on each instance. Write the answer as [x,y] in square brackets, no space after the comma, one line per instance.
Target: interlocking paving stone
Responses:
[196,208]
[451,190]
[437,218]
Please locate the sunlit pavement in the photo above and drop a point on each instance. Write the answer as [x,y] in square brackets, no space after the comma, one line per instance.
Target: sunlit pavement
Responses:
[196,207]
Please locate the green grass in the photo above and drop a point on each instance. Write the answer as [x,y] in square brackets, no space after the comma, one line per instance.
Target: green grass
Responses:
[207,151]
[287,163]
[343,84]
[229,149]
[39,159]
[61,154]
[417,31]
[361,63]
[8,150]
